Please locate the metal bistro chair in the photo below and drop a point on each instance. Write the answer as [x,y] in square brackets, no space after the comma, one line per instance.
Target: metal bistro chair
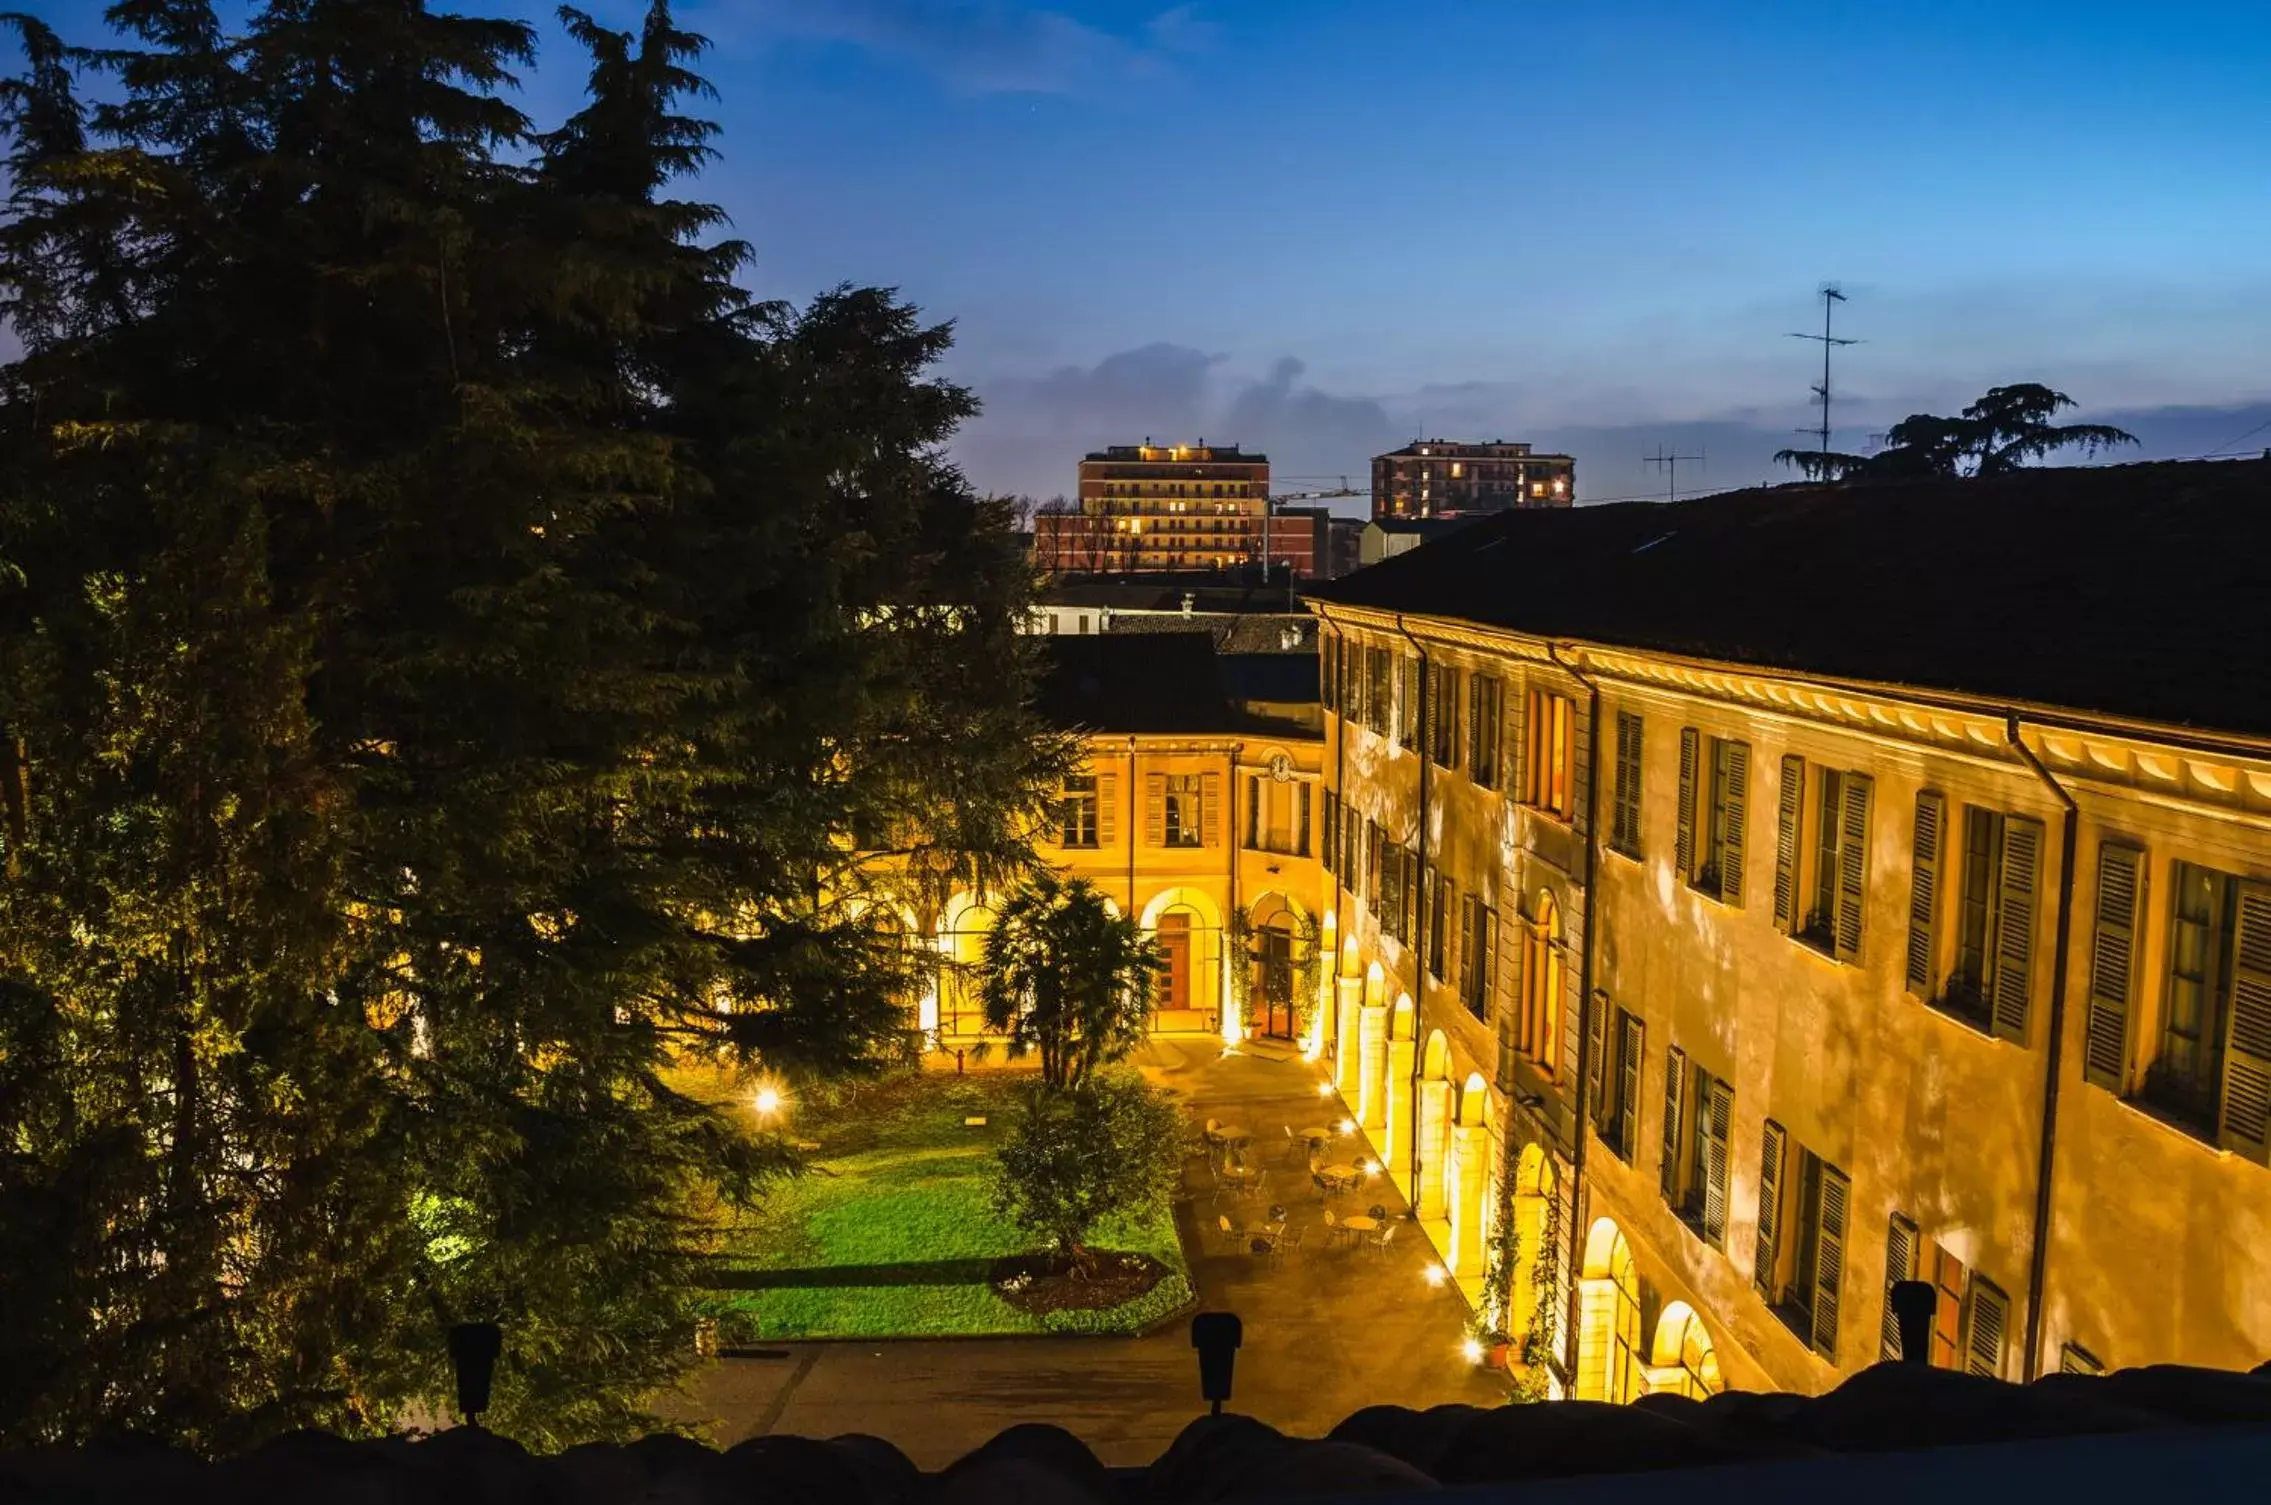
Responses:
[1233,1236]
[1288,1242]
[1381,1240]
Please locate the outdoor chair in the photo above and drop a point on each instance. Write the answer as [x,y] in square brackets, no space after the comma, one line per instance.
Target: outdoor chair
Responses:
[1297,1150]
[1383,1238]
[1285,1243]
[1335,1234]
[1233,1236]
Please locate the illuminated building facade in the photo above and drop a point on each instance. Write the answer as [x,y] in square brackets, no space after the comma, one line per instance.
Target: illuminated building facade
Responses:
[1160,507]
[1447,478]
[1764,898]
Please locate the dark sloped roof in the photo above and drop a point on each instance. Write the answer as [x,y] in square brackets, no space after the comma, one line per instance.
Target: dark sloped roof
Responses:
[1283,678]
[2140,590]
[1146,682]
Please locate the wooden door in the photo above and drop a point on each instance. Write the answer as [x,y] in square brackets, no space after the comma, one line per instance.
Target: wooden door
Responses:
[1175,974]
[1274,981]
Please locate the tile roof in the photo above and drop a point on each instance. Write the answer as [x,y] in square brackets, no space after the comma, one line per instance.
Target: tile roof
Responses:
[2073,1436]
[2138,590]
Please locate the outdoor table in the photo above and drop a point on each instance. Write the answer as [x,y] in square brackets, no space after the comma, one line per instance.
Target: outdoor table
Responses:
[1357,1222]
[1317,1137]
[1348,1173]
[1232,1132]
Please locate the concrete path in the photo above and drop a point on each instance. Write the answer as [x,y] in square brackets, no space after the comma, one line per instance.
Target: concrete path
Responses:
[1328,1331]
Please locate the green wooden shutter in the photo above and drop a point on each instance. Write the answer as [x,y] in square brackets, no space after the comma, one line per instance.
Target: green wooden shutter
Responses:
[1738,795]
[1853,866]
[1986,1322]
[1107,809]
[1511,752]
[1675,1113]
[1786,808]
[1829,1259]
[2113,958]
[2247,1035]
[1300,820]
[1900,1265]
[1924,889]
[1596,1047]
[2015,925]
[1767,1249]
[1253,812]
[1634,1048]
[1465,964]
[1717,1122]
[1452,720]
[1627,833]
[1431,681]
[1683,848]
[1155,809]
[1210,809]
[1411,895]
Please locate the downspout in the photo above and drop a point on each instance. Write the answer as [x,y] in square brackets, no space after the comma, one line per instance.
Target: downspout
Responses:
[1418,946]
[1135,831]
[1230,845]
[2039,1258]
[1342,878]
[1585,999]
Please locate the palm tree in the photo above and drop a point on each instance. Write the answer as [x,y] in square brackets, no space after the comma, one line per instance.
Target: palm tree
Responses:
[1065,976]
[1998,434]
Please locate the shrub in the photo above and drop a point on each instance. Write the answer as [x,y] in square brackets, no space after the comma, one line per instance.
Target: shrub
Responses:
[1077,1154]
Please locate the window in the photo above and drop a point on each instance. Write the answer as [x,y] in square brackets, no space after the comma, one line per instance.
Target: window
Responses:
[1374,850]
[1624,819]
[1379,690]
[1186,815]
[1821,858]
[1407,677]
[1277,815]
[1478,940]
[2186,1074]
[1619,1049]
[1714,791]
[1076,811]
[1329,672]
[1329,850]
[1546,778]
[1995,921]
[1900,1265]
[1800,1255]
[1538,1035]
[1699,1111]
[1438,926]
[1443,715]
[1390,910]
[2073,1358]
[1484,707]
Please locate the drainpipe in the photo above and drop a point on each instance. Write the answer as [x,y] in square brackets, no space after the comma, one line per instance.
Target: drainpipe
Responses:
[2039,1260]
[1230,845]
[1341,876]
[1420,916]
[1585,999]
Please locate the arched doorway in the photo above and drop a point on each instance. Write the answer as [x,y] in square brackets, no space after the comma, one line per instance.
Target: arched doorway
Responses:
[1540,1020]
[1535,1186]
[1187,995]
[963,940]
[1275,962]
[1684,1361]
[1431,1197]
[1609,1360]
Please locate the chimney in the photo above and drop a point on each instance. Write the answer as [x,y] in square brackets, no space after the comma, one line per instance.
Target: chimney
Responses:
[1190,600]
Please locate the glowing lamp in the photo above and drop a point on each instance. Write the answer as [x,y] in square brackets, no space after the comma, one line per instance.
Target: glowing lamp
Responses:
[768,1101]
[1324,1089]
[1348,1126]
[1472,1348]
[1434,1275]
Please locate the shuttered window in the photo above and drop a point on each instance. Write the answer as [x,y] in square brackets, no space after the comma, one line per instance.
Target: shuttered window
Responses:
[1107,809]
[1546,762]
[1672,1154]
[1852,811]
[1683,845]
[1407,702]
[1712,835]
[1766,1253]
[1993,981]
[1789,806]
[1443,720]
[1329,671]
[1155,809]
[1438,926]
[1484,717]
[2113,964]
[1391,907]
[2247,1054]
[1900,1265]
[1812,1304]
[1924,891]
[1987,1321]
[1619,1047]
[1829,909]
[1329,853]
[1478,947]
[1714,1124]
[1624,820]
[2073,1358]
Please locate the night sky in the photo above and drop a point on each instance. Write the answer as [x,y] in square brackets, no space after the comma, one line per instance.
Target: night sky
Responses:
[1322,227]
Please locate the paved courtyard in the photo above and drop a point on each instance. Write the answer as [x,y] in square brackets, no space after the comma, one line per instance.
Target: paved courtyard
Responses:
[1328,1330]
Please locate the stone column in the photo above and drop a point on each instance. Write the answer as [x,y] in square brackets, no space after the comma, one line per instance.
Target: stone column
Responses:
[1395,1136]
[1372,1051]
[1434,1120]
[1467,1170]
[1348,1000]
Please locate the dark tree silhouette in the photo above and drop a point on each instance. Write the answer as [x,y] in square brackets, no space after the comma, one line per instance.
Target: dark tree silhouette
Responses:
[2000,433]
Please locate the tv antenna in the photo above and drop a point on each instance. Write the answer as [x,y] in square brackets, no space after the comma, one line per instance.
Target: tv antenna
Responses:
[1670,464]
[1830,297]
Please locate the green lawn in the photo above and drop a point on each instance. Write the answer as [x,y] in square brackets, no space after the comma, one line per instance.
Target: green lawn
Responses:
[893,1231]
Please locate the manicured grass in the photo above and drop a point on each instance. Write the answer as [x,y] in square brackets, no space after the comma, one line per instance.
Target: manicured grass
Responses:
[892,1233]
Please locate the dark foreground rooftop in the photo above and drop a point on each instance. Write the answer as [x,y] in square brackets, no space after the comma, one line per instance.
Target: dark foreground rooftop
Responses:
[2136,590]
[1895,1432]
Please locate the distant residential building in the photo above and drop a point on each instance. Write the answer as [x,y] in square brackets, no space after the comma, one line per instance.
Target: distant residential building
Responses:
[1386,537]
[1344,545]
[1446,478]
[1162,507]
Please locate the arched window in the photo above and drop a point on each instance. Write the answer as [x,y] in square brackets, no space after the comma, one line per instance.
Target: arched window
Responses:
[1628,1378]
[1539,1036]
[1686,1361]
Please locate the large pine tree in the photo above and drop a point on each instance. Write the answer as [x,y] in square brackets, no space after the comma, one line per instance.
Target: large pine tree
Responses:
[455,651]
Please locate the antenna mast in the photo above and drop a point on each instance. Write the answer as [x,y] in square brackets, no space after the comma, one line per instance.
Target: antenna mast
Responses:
[1670,464]
[1830,297]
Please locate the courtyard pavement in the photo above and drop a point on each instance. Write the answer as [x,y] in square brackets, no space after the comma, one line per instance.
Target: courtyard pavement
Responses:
[1327,1330]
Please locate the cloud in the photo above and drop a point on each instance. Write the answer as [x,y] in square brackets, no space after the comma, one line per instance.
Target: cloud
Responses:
[989,46]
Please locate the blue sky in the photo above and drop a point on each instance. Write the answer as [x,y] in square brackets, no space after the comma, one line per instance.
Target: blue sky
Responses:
[1323,226]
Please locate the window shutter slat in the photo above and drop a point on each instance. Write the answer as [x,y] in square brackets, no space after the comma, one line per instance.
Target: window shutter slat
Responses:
[2247,1042]
[2113,954]
[1719,1120]
[1738,809]
[1923,894]
[2075,1359]
[1107,809]
[1511,750]
[1683,848]
[1989,1320]
[1853,866]
[1900,1265]
[2015,923]
[1829,1260]
[1634,1051]
[1596,1047]
[1155,809]
[1767,1249]
[1675,1102]
[1786,807]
